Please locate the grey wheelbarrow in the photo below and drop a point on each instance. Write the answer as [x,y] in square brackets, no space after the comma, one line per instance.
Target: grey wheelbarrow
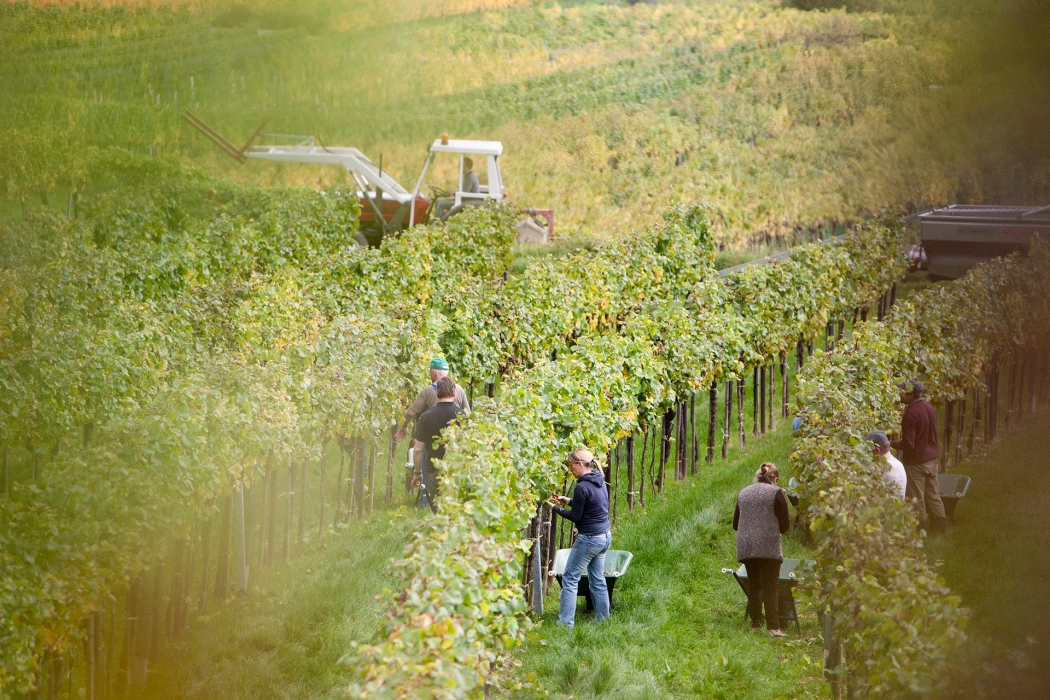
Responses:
[617,562]
[792,573]
[953,488]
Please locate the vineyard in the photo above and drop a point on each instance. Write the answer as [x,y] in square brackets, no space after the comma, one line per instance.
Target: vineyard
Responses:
[202,375]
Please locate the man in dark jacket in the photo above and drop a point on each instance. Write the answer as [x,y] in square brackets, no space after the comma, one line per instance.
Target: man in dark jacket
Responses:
[919,444]
[589,510]
[428,432]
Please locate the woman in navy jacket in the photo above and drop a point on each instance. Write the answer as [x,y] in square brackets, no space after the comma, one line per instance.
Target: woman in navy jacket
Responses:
[589,510]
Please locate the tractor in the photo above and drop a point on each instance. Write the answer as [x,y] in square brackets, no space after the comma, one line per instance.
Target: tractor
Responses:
[386,206]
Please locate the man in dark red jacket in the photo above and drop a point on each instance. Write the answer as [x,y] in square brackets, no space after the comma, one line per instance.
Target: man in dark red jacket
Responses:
[919,444]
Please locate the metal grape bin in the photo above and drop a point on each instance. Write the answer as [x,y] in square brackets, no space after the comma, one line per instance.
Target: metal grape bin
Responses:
[616,563]
[958,237]
[953,488]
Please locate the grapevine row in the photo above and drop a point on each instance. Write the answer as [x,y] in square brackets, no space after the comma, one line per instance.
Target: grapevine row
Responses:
[898,619]
[162,366]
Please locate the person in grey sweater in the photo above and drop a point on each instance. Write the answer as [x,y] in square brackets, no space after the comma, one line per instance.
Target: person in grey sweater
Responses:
[761,517]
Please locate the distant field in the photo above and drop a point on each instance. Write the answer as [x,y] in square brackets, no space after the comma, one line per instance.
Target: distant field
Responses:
[608,113]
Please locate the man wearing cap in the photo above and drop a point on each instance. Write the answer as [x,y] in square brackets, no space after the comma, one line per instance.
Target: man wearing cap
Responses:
[919,444]
[895,475]
[428,433]
[428,398]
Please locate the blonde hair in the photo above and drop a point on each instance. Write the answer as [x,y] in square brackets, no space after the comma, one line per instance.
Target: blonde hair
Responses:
[767,473]
[585,457]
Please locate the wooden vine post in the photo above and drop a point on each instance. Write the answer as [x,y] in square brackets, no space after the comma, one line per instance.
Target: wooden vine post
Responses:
[694,453]
[740,393]
[271,525]
[392,447]
[289,513]
[130,607]
[959,428]
[143,630]
[324,460]
[975,420]
[728,426]
[641,480]
[372,477]
[241,541]
[1011,383]
[772,393]
[630,473]
[339,482]
[665,447]
[550,547]
[1035,362]
[89,658]
[949,415]
[785,408]
[359,478]
[760,400]
[202,600]
[260,545]
[755,391]
[712,421]
[302,503]
[222,574]
[680,442]
[177,574]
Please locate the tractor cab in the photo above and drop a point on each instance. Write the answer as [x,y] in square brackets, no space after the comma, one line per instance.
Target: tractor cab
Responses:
[479,177]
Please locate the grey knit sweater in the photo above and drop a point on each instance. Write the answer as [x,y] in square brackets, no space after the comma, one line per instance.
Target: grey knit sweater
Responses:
[761,517]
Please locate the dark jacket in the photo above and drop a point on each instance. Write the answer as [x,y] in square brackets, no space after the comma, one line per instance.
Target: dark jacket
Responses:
[919,433]
[590,505]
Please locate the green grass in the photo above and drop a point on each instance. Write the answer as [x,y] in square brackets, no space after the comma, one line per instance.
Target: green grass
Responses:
[678,629]
[285,639]
[997,559]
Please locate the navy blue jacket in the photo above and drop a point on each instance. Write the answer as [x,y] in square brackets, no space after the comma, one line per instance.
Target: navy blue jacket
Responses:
[590,505]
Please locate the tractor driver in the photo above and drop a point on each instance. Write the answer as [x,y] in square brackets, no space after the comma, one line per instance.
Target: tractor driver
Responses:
[471,185]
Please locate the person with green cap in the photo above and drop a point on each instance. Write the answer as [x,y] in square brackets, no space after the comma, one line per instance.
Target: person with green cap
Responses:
[428,398]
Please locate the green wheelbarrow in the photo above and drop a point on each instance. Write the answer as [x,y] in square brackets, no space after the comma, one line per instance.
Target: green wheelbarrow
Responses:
[953,488]
[792,572]
[616,563]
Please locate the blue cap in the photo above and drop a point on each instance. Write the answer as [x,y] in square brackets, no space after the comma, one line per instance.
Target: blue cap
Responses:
[878,437]
[439,363]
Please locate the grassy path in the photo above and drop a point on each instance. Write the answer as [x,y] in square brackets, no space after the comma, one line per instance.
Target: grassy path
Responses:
[678,629]
[998,560]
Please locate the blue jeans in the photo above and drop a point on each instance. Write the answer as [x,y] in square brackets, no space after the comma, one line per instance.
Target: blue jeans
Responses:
[587,555]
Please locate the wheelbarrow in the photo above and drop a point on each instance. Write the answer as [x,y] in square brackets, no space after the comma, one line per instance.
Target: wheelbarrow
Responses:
[792,572]
[616,563]
[952,487]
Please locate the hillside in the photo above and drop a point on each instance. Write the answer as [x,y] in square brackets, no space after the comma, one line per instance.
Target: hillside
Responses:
[779,118]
